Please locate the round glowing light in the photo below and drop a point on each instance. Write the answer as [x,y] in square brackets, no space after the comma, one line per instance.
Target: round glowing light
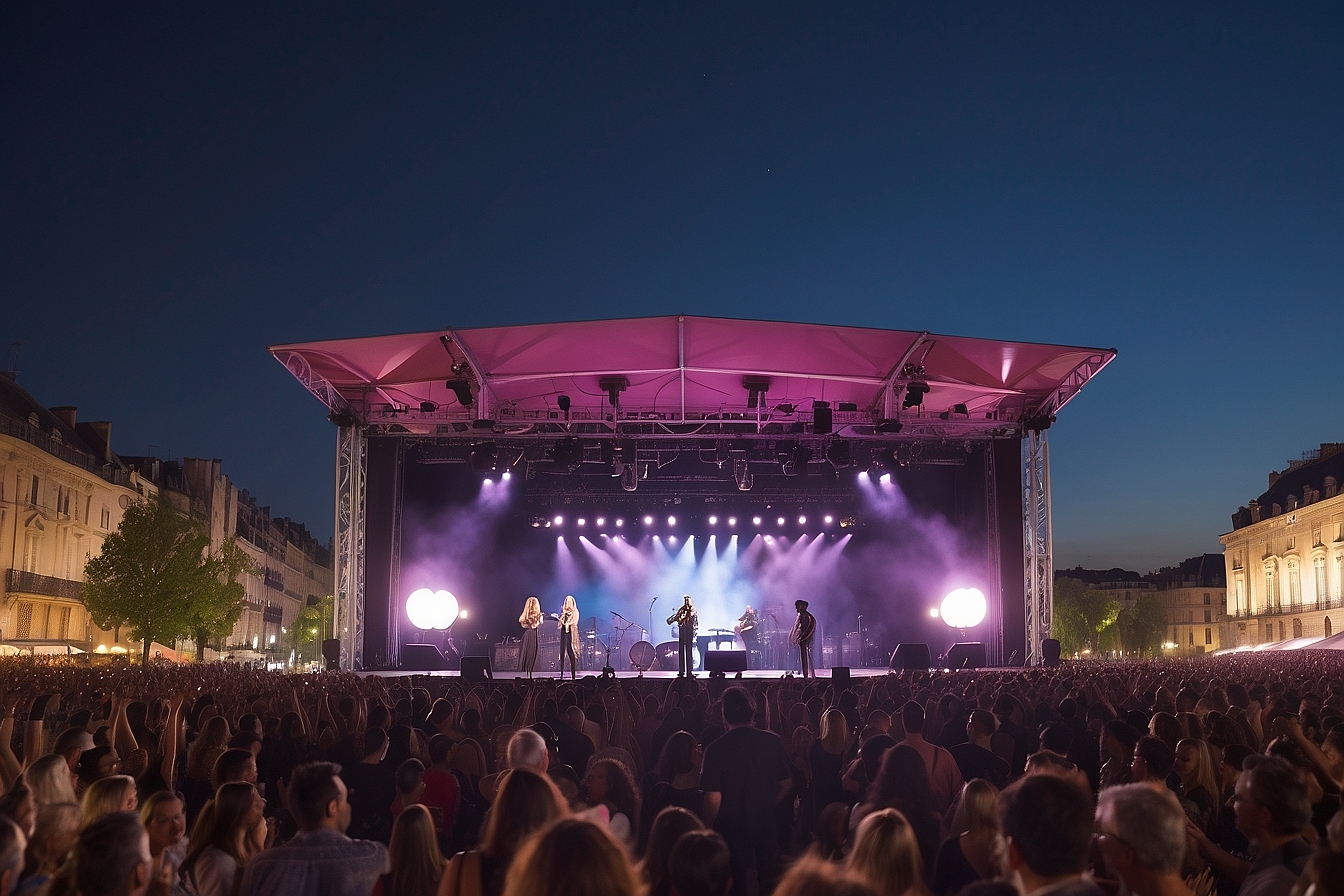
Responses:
[671,521]
[755,521]
[506,476]
[489,481]
[933,613]
[780,521]
[671,539]
[601,521]
[802,521]
[619,523]
[559,521]
[582,522]
[964,608]
[648,521]
[886,479]
[829,519]
[462,615]
[713,520]
[431,609]
[732,521]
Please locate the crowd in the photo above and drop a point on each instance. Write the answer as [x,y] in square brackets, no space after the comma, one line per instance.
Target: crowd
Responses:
[1218,775]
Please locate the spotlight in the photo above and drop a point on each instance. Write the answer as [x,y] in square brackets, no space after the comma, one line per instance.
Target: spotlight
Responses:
[489,481]
[343,418]
[780,521]
[671,521]
[614,386]
[648,521]
[755,521]
[829,519]
[964,608]
[483,458]
[506,476]
[601,521]
[802,521]
[619,522]
[914,395]
[537,522]
[756,386]
[462,389]
[671,539]
[1037,422]
[431,609]
[742,474]
[840,454]
[581,521]
[428,407]
[933,613]
[562,402]
[732,521]
[885,479]
[559,520]
[713,520]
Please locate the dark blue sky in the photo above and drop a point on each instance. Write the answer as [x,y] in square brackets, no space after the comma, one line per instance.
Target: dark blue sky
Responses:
[184,185]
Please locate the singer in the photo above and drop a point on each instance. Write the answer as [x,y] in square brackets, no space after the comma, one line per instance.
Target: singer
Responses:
[569,636]
[530,621]
[686,621]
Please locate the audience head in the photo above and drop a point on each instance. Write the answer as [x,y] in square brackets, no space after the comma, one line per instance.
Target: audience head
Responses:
[981,723]
[13,844]
[99,762]
[978,809]
[108,795]
[53,836]
[71,744]
[234,765]
[902,781]
[527,750]
[19,806]
[811,876]
[413,853]
[1057,738]
[667,829]
[1049,822]
[912,718]
[410,780]
[525,802]
[609,782]
[317,797]
[1271,799]
[1142,832]
[111,857]
[834,731]
[886,852]
[164,817]
[571,858]
[51,780]
[1152,760]
[737,707]
[700,865]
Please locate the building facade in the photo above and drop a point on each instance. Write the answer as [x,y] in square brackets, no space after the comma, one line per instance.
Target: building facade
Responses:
[62,492]
[1284,557]
[1194,596]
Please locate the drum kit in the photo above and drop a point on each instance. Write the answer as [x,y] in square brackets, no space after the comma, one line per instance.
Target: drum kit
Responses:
[769,649]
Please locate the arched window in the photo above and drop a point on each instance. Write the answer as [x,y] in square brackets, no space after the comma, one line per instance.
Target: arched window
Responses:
[1297,628]
[1329,629]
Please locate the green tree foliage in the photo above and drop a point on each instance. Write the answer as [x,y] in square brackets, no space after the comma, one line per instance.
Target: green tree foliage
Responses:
[310,626]
[1081,615]
[155,577]
[1143,625]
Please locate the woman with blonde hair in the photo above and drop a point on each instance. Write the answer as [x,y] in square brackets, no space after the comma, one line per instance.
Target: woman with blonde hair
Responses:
[105,796]
[886,854]
[417,864]
[826,761]
[229,832]
[975,849]
[569,636]
[530,620]
[1199,782]
[164,816]
[572,857]
[50,779]
[201,755]
[667,828]
[525,803]
[55,833]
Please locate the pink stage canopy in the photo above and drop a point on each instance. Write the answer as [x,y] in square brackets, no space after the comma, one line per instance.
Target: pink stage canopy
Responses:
[689,368]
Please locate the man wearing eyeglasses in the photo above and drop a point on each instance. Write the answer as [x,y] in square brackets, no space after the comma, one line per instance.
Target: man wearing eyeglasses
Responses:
[1142,836]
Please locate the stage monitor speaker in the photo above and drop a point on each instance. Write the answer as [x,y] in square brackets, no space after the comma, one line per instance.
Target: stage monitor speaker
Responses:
[422,658]
[725,661]
[966,655]
[476,669]
[910,655]
[840,676]
[821,418]
[331,652]
[1050,651]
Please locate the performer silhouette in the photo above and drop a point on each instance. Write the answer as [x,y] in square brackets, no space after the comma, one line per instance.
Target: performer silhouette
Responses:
[530,620]
[802,633]
[569,636]
[687,621]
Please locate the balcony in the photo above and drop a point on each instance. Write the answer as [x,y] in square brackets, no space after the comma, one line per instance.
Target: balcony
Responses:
[16,580]
[21,429]
[1328,602]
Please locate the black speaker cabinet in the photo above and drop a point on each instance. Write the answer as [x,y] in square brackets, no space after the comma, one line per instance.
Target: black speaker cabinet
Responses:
[910,655]
[725,661]
[1050,651]
[507,656]
[821,418]
[422,658]
[966,655]
[476,669]
[840,676]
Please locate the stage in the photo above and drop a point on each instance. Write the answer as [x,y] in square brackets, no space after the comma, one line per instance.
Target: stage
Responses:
[750,675]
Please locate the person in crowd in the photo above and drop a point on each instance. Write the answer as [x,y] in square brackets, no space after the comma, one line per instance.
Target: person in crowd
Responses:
[1199,783]
[527,801]
[201,756]
[1047,823]
[826,762]
[886,854]
[974,851]
[939,767]
[609,783]
[1117,752]
[53,836]
[667,829]
[110,858]
[410,783]
[902,784]
[100,762]
[572,857]
[19,806]
[528,750]
[442,794]
[320,860]
[51,780]
[229,831]
[234,765]
[371,785]
[975,758]
[71,745]
[746,776]
[1152,762]
[677,781]
[811,876]
[700,865]
[164,816]
[107,795]
[1141,832]
[13,844]
[417,862]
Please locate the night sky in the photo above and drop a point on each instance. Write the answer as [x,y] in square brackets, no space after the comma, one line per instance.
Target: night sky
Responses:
[185,184]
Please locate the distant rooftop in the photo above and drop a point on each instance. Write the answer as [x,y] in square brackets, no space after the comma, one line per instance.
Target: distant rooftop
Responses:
[1315,476]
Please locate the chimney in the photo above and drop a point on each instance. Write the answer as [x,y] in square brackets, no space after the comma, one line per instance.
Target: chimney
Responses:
[66,415]
[1274,477]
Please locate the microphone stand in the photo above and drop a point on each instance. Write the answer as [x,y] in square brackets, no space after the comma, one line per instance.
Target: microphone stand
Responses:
[651,603]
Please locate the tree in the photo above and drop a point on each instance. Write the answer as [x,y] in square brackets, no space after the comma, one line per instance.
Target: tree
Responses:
[310,626]
[146,573]
[1143,625]
[1081,614]
[218,604]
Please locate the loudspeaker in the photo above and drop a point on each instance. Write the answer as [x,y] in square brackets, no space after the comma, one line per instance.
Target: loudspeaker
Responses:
[725,661]
[910,656]
[966,655]
[840,676]
[476,669]
[821,417]
[331,652]
[422,658]
[1050,651]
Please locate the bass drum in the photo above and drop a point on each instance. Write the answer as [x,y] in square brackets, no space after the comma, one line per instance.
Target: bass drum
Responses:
[667,657]
[642,656]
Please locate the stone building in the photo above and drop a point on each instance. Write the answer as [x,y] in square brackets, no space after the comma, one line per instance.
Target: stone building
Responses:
[62,492]
[1194,595]
[1284,557]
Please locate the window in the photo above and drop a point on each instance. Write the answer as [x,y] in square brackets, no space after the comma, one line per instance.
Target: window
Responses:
[33,495]
[32,550]
[1316,536]
[1297,628]
[1206,597]
[1294,584]
[1319,564]
[1192,637]
[106,521]
[23,623]
[1208,615]
[1292,543]
[1329,627]
[62,624]
[1208,636]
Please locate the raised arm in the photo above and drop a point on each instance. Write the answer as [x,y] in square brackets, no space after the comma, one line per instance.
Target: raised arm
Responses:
[170,742]
[10,766]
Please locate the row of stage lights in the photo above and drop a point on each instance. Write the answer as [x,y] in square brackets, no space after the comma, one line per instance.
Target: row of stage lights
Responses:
[619,522]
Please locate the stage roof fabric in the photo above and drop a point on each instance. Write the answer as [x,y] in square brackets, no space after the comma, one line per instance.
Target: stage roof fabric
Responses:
[684,367]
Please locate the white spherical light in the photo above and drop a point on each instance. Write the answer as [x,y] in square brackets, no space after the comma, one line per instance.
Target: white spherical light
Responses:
[964,608]
[431,609]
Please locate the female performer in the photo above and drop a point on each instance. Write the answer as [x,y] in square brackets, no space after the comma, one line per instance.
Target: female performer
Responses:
[569,636]
[530,619]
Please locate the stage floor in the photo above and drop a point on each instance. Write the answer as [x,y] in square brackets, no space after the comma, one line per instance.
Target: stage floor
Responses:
[499,675]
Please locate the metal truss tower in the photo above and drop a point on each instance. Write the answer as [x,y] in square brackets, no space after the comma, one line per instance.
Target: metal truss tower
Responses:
[1038,551]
